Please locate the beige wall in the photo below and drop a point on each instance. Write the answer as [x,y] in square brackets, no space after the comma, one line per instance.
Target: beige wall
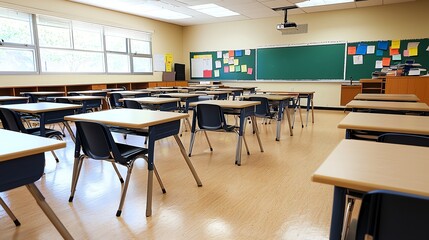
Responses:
[396,21]
[166,38]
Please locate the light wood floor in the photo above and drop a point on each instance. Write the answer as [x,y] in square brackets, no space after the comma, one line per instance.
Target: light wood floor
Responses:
[270,196]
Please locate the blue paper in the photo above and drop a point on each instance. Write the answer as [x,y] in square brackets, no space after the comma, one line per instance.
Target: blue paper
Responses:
[238,53]
[361,49]
[383,45]
[379,53]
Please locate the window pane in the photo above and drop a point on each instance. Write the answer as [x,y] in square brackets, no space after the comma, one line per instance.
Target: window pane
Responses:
[140,47]
[71,61]
[54,32]
[116,44]
[15,27]
[118,63]
[142,65]
[17,60]
[87,36]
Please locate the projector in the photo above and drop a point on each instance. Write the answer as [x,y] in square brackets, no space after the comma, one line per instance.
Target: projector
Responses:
[286,25]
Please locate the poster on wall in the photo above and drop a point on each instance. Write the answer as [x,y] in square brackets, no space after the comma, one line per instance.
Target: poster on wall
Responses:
[201,64]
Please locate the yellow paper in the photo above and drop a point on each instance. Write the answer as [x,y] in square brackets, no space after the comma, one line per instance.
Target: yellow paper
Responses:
[216,73]
[236,62]
[244,68]
[203,56]
[396,44]
[231,68]
[168,62]
[413,52]
[225,60]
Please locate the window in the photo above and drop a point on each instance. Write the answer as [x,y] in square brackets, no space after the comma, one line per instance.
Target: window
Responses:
[17,50]
[68,46]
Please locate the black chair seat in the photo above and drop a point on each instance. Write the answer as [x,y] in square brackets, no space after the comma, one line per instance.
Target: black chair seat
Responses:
[48,132]
[129,152]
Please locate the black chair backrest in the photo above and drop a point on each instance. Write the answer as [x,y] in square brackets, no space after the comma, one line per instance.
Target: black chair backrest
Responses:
[263,109]
[31,98]
[143,94]
[114,100]
[168,106]
[101,94]
[392,215]
[97,141]
[132,104]
[62,100]
[11,120]
[222,96]
[210,117]
[406,139]
[73,94]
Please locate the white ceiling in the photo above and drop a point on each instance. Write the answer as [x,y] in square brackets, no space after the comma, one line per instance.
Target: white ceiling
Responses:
[248,9]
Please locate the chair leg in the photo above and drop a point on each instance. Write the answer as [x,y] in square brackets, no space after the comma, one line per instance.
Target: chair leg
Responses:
[118,173]
[207,137]
[124,190]
[350,201]
[9,212]
[245,144]
[77,166]
[55,156]
[191,144]
[58,137]
[159,180]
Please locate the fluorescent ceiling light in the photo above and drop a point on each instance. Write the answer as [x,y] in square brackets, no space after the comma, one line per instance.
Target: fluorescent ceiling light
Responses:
[167,14]
[214,10]
[313,3]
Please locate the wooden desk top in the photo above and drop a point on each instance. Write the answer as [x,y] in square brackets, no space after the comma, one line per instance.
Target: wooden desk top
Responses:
[152,100]
[271,97]
[16,145]
[127,93]
[227,103]
[128,118]
[287,92]
[8,98]
[385,105]
[82,98]
[230,90]
[88,91]
[387,97]
[40,107]
[217,92]
[366,166]
[45,93]
[182,95]
[241,87]
[162,90]
[386,123]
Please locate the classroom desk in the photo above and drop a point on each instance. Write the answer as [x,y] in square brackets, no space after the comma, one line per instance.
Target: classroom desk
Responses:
[283,106]
[48,113]
[160,124]
[162,90]
[399,107]
[43,95]
[89,92]
[384,123]
[387,97]
[129,93]
[82,100]
[184,97]
[213,93]
[301,95]
[154,103]
[193,88]
[12,100]
[364,166]
[247,109]
[22,161]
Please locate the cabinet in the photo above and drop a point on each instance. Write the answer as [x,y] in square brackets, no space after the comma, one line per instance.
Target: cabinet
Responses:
[348,92]
[409,85]
[373,85]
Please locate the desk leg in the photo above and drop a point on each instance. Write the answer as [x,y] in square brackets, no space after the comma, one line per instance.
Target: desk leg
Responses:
[188,161]
[279,120]
[48,211]
[42,125]
[337,213]
[240,137]
[149,193]
[288,119]
[67,125]
[257,132]
[312,110]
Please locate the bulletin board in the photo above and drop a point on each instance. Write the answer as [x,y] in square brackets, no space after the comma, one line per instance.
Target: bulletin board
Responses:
[362,67]
[223,65]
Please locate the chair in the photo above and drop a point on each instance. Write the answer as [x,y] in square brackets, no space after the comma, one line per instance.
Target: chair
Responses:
[12,121]
[31,97]
[114,100]
[211,118]
[406,139]
[168,107]
[393,215]
[263,110]
[132,104]
[96,142]
[223,96]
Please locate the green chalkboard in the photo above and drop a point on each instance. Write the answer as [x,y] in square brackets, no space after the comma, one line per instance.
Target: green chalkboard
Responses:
[244,70]
[362,71]
[307,62]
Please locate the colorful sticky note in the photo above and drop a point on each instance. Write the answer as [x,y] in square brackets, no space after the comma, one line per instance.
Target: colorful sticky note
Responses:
[247,52]
[207,73]
[357,59]
[231,60]
[231,53]
[238,53]
[236,62]
[396,44]
[379,53]
[218,64]
[226,69]
[370,49]
[413,52]
[361,49]
[216,73]
[225,60]
[406,53]
[394,51]
[250,71]
[231,68]
[386,62]
[397,57]
[226,55]
[378,64]
[382,45]
[219,54]
[238,68]
[351,50]
[413,45]
[244,68]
